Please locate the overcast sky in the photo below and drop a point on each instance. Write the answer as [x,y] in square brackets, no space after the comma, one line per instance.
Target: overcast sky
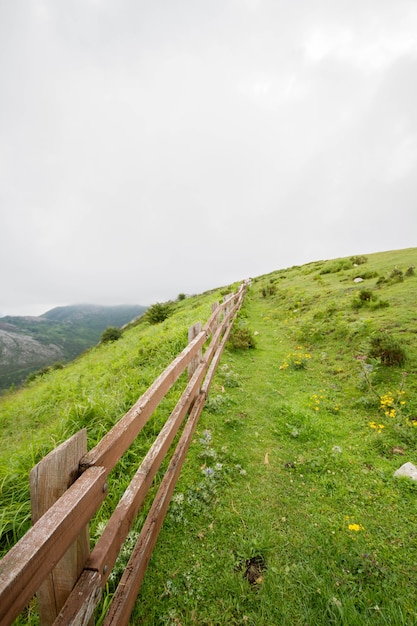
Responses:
[151,148]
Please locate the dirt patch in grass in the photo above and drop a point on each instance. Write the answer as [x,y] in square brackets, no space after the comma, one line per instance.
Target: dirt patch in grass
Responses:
[253,569]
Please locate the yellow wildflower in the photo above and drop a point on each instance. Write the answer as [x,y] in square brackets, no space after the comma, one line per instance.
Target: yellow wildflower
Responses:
[356,527]
[377,427]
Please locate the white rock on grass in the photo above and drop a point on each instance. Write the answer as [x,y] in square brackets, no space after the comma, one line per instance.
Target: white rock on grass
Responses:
[408,469]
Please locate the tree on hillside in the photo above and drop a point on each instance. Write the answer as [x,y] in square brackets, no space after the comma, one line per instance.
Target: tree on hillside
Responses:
[110,334]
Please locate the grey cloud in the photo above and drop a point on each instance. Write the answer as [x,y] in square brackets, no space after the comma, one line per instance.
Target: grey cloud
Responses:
[148,149]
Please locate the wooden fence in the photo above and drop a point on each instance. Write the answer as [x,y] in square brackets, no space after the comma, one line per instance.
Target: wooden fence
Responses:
[53,559]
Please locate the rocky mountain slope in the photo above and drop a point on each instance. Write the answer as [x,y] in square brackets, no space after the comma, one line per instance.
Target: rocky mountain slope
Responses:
[31,343]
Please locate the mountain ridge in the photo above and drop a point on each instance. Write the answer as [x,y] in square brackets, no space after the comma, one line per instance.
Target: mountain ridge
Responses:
[28,343]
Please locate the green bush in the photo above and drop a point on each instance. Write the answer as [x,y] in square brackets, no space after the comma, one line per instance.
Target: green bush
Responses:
[112,333]
[368,299]
[387,349]
[241,338]
[158,312]
[367,275]
[269,290]
[337,266]
[359,260]
[366,295]
[396,276]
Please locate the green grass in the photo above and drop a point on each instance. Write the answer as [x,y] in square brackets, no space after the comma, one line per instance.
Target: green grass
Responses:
[286,482]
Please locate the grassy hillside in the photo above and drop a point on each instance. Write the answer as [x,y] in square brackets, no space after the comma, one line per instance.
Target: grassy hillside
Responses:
[28,344]
[287,511]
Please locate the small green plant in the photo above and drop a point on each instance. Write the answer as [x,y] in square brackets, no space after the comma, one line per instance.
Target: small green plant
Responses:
[269,290]
[216,404]
[296,360]
[395,276]
[366,295]
[216,470]
[110,334]
[230,378]
[359,259]
[410,271]
[391,404]
[336,266]
[158,312]
[367,298]
[241,338]
[312,331]
[181,296]
[387,349]
[366,275]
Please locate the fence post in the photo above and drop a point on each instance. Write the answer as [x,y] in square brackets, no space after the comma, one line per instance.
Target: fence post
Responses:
[196,360]
[228,300]
[49,479]
[215,325]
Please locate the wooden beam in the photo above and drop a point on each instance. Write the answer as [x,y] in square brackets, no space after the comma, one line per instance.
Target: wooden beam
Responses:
[126,593]
[193,331]
[115,443]
[108,546]
[29,562]
[49,480]
[79,608]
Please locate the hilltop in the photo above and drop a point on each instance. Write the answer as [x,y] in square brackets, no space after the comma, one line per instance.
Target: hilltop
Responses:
[29,343]
[287,510]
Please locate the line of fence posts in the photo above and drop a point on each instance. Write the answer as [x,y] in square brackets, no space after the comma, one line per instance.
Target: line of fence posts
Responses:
[69,485]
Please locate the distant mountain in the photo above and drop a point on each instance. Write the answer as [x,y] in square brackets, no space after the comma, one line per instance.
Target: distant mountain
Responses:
[30,343]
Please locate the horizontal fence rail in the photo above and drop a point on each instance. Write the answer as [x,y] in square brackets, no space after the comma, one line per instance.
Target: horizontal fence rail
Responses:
[68,486]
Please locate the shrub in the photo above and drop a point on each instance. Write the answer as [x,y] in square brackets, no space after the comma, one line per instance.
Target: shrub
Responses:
[269,290]
[387,349]
[359,260]
[366,275]
[181,296]
[337,266]
[241,338]
[366,295]
[369,299]
[112,333]
[396,276]
[296,360]
[158,312]
[312,331]
[410,271]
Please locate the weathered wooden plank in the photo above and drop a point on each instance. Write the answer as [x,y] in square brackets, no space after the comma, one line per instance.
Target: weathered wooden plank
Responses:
[41,549]
[193,331]
[108,546]
[128,588]
[29,562]
[130,583]
[215,361]
[214,351]
[219,309]
[80,605]
[115,443]
[49,479]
